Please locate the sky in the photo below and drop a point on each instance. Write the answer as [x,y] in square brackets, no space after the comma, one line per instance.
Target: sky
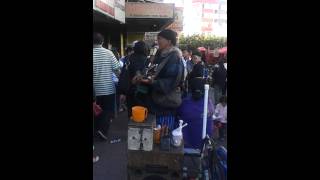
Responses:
[191,25]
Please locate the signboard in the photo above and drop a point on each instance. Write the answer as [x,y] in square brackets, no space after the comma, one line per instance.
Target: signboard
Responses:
[119,10]
[150,38]
[149,10]
[105,6]
[177,25]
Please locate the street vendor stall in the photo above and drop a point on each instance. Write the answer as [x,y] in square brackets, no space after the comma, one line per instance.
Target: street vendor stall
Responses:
[147,157]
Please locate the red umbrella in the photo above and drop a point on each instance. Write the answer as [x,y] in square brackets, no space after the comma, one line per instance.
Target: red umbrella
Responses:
[202,49]
[223,50]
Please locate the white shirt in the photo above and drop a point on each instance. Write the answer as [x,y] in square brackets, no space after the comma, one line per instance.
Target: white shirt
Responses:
[121,64]
[221,113]
[185,68]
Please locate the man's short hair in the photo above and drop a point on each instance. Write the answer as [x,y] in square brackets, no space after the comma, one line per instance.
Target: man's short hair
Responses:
[97,38]
[169,35]
[129,49]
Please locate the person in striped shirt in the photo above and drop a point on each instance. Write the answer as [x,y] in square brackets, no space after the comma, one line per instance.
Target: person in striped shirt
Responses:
[104,64]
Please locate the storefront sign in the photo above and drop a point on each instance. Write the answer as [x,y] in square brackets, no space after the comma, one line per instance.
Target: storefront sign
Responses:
[105,6]
[119,10]
[150,38]
[149,10]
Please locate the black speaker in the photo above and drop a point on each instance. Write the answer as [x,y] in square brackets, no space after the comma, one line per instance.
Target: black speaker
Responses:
[145,174]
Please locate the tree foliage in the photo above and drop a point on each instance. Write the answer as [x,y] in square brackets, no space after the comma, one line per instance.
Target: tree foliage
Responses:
[196,41]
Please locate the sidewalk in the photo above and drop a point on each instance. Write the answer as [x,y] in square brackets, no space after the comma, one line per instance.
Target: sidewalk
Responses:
[113,157]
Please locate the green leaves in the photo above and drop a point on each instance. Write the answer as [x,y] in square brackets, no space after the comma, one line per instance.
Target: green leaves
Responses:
[196,41]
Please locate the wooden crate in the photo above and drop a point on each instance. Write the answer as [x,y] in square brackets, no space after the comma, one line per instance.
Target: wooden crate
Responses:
[171,160]
[140,135]
[154,159]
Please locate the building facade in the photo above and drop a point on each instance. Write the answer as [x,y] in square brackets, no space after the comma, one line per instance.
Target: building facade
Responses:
[207,17]
[124,21]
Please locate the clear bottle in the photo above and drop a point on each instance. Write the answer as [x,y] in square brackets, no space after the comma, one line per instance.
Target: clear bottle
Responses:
[177,135]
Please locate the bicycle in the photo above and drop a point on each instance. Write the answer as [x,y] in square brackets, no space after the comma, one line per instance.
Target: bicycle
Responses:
[212,161]
[214,166]
[212,157]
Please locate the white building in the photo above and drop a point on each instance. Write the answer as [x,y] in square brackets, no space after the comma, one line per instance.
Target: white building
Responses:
[205,17]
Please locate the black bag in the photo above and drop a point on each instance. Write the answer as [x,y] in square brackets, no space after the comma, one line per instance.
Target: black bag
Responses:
[172,99]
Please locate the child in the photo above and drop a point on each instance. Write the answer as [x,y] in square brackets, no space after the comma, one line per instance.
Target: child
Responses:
[221,117]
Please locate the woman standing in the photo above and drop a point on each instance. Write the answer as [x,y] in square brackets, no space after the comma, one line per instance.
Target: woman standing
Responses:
[134,68]
[219,77]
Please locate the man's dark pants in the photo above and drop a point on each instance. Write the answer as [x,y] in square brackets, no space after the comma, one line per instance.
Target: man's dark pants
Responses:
[102,122]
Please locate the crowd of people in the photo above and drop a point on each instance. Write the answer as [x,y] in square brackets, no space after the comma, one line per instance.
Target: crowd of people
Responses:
[163,78]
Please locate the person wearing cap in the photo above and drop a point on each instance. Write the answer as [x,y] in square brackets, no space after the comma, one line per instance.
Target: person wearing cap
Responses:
[188,54]
[219,77]
[191,112]
[165,82]
[197,70]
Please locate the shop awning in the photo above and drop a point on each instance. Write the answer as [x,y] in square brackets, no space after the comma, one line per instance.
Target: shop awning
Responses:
[148,17]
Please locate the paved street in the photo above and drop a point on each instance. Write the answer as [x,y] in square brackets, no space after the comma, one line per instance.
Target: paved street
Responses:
[113,157]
